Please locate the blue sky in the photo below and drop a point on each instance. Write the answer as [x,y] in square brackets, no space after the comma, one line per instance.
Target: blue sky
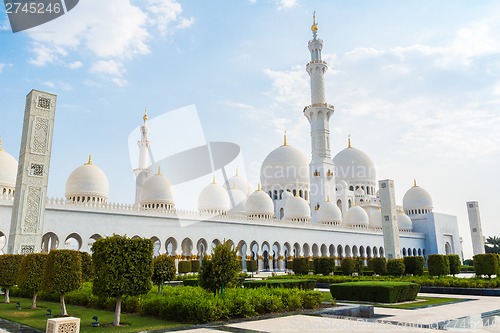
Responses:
[415,83]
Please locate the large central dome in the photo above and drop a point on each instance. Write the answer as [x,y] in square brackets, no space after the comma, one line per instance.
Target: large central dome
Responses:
[286,167]
[87,183]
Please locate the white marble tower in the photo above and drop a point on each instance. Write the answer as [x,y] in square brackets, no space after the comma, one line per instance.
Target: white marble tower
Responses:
[318,114]
[142,173]
[390,227]
[476,230]
[28,211]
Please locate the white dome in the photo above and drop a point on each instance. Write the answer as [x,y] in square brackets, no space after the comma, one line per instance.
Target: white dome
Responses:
[353,166]
[87,181]
[329,212]
[356,216]
[239,199]
[376,219]
[359,192]
[213,198]
[8,170]
[286,167]
[297,208]
[157,190]
[417,198]
[259,203]
[404,222]
[240,183]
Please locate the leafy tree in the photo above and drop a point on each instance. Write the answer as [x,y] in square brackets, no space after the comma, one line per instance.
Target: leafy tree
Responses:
[492,245]
[221,271]
[324,266]
[347,265]
[378,265]
[454,261]
[63,273]
[87,269]
[438,265]
[252,266]
[301,266]
[414,265]
[395,267]
[122,266]
[487,264]
[31,274]
[163,269]
[9,270]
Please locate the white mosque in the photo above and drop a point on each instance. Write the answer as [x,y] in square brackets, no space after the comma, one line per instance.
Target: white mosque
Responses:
[303,207]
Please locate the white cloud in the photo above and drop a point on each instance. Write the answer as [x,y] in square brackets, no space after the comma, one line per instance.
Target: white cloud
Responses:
[58,85]
[286,4]
[75,65]
[2,65]
[163,13]
[111,69]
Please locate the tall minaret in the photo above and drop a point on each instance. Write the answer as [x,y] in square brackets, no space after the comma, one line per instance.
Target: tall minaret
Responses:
[142,172]
[476,229]
[318,114]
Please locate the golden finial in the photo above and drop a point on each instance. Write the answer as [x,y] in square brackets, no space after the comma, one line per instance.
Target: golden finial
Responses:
[355,203]
[314,27]
[258,187]
[236,171]
[284,139]
[89,160]
[349,141]
[213,180]
[1,144]
[414,183]
[327,198]
[145,117]
[159,170]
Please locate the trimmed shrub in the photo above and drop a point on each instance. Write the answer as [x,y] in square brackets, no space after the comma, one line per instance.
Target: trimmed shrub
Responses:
[301,265]
[358,265]
[454,261]
[195,266]
[282,283]
[438,265]
[347,266]
[375,291]
[184,266]
[163,269]
[251,266]
[486,264]
[31,274]
[63,273]
[289,264]
[220,272]
[193,282]
[378,265]
[395,267]
[9,271]
[324,266]
[414,265]
[87,268]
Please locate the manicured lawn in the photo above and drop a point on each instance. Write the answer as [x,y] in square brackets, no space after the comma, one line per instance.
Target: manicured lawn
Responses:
[36,318]
[421,302]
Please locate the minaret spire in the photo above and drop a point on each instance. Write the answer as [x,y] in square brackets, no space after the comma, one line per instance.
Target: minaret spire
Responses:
[318,113]
[142,173]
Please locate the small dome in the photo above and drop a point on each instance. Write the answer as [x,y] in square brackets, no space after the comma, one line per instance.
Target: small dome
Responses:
[259,204]
[8,171]
[297,209]
[356,216]
[285,166]
[359,192]
[214,198]
[404,222]
[417,198]
[239,199]
[87,183]
[329,213]
[376,219]
[354,166]
[157,192]
[240,183]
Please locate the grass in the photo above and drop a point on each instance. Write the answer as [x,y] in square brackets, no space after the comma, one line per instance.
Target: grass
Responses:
[420,303]
[36,317]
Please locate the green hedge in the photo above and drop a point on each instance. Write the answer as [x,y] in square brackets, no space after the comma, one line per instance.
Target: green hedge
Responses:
[395,267]
[487,264]
[414,265]
[347,265]
[378,265]
[195,266]
[301,265]
[454,262]
[324,266]
[192,282]
[282,283]
[375,291]
[184,266]
[438,265]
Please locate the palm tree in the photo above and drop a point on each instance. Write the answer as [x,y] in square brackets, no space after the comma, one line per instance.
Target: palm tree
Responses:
[492,245]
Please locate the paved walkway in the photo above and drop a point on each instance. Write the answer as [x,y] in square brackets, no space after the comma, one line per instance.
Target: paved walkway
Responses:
[396,320]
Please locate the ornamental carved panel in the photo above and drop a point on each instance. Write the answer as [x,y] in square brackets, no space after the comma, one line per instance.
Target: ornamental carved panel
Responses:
[32,210]
[40,136]
[68,328]
[27,249]
[43,102]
